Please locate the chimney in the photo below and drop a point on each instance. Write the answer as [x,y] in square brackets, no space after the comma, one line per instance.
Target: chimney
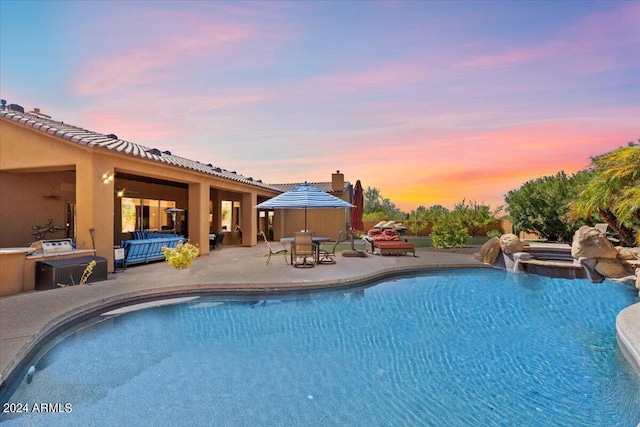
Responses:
[337,181]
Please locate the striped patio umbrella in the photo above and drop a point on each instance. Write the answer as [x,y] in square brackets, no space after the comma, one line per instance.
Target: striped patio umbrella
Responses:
[304,196]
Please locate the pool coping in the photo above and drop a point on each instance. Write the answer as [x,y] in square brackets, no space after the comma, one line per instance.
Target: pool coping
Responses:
[628,334]
[18,349]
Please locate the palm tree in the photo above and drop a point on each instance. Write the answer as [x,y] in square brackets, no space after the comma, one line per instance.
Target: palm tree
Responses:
[614,192]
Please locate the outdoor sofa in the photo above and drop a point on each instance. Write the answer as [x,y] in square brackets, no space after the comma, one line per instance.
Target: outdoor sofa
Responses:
[146,247]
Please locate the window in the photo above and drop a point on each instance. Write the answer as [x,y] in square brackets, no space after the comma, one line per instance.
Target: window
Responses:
[230,215]
[226,215]
[146,214]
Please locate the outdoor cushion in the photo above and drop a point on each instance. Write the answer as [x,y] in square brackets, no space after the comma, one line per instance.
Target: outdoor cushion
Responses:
[388,234]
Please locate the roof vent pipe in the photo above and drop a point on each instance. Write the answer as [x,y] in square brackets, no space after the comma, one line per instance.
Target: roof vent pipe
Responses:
[16,107]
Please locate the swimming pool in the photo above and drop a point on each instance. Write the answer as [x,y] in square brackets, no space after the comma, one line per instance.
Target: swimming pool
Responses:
[456,348]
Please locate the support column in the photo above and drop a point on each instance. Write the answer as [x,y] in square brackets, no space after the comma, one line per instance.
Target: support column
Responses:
[199,216]
[95,207]
[249,219]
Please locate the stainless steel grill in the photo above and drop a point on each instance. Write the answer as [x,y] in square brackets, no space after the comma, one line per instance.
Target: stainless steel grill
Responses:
[51,247]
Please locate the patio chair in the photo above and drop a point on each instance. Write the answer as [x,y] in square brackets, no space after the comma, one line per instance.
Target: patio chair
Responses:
[273,251]
[329,256]
[218,242]
[302,247]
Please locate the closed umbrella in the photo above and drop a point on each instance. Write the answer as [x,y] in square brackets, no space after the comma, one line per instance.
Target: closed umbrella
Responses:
[358,208]
[356,220]
[304,196]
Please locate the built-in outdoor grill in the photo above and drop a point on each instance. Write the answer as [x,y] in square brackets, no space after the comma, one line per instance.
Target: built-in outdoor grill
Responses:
[53,270]
[52,247]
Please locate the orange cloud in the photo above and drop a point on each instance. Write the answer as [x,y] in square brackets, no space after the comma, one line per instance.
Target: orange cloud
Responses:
[483,166]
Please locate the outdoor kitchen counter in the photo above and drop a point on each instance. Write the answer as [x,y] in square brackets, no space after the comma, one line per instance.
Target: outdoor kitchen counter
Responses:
[60,255]
[11,270]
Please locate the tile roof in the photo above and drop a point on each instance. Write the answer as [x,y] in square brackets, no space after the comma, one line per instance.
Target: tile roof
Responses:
[324,186]
[111,142]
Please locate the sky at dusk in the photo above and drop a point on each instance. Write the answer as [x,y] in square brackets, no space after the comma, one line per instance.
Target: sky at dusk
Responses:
[430,102]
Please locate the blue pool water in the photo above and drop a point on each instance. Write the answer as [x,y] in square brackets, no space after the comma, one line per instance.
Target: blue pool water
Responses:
[454,348]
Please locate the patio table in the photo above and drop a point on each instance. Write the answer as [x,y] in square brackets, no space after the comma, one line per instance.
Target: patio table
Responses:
[316,241]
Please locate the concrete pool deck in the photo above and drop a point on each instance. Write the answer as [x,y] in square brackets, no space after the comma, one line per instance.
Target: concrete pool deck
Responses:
[28,320]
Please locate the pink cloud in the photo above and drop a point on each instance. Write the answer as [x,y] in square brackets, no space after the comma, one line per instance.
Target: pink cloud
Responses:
[599,32]
[383,76]
[157,59]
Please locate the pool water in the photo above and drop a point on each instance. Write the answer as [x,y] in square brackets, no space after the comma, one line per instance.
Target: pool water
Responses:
[454,348]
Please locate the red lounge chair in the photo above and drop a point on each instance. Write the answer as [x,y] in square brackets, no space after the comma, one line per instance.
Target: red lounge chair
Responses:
[387,242]
[394,247]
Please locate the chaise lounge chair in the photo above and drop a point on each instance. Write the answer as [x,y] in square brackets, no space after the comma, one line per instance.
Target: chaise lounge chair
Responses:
[387,242]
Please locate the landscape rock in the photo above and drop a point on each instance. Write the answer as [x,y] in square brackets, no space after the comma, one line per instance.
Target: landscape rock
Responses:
[588,242]
[510,244]
[627,280]
[625,253]
[489,251]
[637,278]
[611,268]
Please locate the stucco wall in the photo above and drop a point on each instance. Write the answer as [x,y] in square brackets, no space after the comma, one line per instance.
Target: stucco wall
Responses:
[25,200]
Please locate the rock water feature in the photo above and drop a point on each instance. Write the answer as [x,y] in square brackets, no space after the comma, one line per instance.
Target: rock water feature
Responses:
[591,255]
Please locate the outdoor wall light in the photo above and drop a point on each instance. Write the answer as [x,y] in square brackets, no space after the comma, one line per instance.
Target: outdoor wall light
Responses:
[107,177]
[120,192]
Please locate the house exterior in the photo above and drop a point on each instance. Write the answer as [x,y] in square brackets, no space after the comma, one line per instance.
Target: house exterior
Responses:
[98,189]
[324,222]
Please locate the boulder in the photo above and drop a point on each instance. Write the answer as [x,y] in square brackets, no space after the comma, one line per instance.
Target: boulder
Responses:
[489,251]
[637,278]
[611,268]
[625,253]
[588,242]
[510,244]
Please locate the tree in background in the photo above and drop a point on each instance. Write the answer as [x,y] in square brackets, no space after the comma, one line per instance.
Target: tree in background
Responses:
[379,208]
[448,230]
[417,220]
[434,212]
[475,216]
[541,206]
[613,192]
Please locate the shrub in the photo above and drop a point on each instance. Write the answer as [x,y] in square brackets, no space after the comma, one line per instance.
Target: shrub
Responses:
[448,232]
[181,256]
[541,206]
[85,275]
[494,233]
